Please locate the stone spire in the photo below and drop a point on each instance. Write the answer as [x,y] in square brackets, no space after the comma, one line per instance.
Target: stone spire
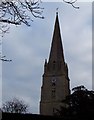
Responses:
[55,85]
[56,53]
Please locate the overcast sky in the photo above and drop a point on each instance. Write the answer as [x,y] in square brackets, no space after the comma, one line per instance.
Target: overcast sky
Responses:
[28,47]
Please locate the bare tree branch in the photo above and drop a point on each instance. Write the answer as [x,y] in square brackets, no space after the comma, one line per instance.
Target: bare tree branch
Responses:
[10,22]
[3,58]
[71,2]
[3,29]
[17,12]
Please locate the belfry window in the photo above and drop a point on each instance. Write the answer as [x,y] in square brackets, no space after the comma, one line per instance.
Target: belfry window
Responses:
[53,82]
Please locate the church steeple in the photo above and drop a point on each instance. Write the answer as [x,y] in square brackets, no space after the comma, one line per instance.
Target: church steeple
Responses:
[56,53]
[55,85]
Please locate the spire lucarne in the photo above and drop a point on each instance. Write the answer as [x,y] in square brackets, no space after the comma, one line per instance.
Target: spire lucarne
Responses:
[55,85]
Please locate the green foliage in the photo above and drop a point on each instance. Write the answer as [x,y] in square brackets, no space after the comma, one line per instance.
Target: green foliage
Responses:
[79,103]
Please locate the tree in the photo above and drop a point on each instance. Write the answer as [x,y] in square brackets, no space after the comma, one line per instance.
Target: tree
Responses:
[17,12]
[15,106]
[79,103]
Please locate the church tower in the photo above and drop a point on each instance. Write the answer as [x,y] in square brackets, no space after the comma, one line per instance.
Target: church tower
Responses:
[55,84]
